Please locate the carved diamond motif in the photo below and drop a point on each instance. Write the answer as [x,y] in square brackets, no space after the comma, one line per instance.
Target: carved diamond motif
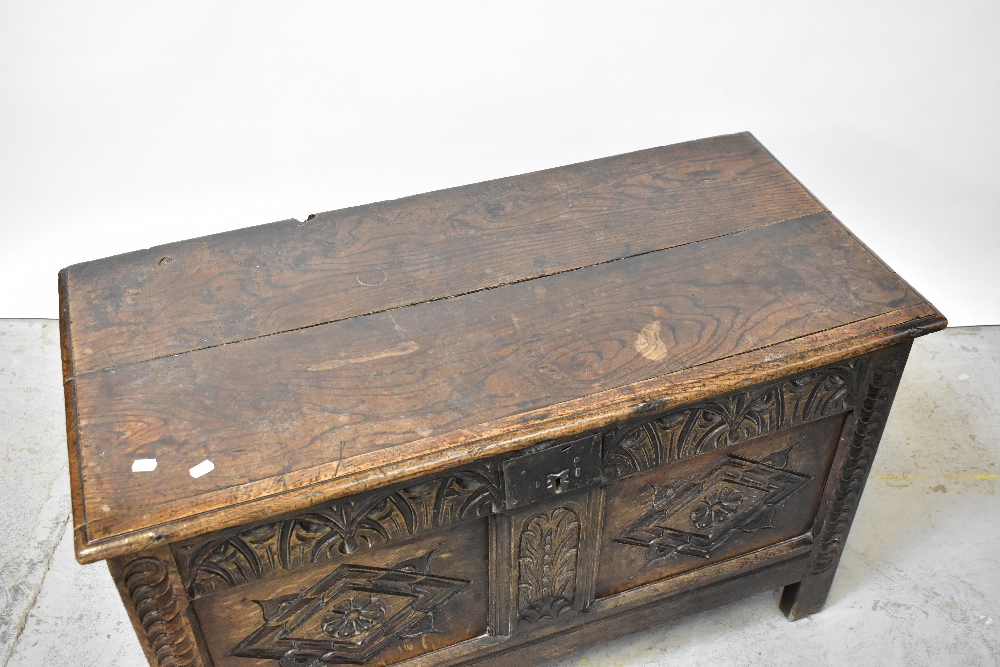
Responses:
[351,615]
[695,518]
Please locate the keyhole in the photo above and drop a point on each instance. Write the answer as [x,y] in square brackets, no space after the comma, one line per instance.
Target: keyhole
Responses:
[558,482]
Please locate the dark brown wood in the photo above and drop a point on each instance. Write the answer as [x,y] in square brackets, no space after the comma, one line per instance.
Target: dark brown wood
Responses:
[289,275]
[325,533]
[715,506]
[485,425]
[372,607]
[856,453]
[343,391]
[635,610]
[151,590]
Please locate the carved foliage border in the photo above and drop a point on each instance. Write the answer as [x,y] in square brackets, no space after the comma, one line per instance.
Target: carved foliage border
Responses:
[725,421]
[339,528]
[146,582]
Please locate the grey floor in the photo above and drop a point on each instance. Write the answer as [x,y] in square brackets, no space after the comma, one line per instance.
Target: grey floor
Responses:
[919,583]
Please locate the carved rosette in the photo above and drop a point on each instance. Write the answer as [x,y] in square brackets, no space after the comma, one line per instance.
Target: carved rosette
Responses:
[728,420]
[851,480]
[351,615]
[338,529]
[547,565]
[697,517]
[146,582]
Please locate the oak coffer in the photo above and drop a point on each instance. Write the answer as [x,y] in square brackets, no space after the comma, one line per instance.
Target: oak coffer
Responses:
[485,425]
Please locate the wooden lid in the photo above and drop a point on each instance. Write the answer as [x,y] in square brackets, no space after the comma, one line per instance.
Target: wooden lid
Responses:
[305,361]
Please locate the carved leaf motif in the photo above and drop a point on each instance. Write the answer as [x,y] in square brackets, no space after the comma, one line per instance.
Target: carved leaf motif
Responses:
[629,449]
[547,564]
[339,528]
[728,420]
[819,393]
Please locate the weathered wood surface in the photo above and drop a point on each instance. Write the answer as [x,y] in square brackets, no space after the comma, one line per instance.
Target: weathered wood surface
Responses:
[288,275]
[658,277]
[338,393]
[542,579]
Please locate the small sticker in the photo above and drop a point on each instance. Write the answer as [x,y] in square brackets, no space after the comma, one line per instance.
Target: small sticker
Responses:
[144,465]
[202,469]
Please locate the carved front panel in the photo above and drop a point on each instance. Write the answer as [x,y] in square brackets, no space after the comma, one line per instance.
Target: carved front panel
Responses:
[714,506]
[698,517]
[344,583]
[339,528]
[370,607]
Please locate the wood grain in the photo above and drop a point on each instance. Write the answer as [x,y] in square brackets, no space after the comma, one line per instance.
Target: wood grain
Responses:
[482,425]
[275,405]
[288,275]
[298,490]
[634,610]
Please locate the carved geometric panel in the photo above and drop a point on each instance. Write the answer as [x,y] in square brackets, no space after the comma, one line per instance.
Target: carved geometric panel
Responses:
[696,517]
[351,615]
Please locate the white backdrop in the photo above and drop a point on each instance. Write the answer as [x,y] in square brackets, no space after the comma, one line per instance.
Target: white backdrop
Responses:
[129,124]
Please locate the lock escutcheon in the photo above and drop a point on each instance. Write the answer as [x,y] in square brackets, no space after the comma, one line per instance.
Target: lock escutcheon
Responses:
[557,469]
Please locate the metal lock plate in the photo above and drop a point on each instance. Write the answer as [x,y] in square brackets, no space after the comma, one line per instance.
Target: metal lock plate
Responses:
[552,471]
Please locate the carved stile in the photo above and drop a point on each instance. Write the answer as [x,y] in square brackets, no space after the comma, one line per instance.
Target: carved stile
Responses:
[156,607]
[869,424]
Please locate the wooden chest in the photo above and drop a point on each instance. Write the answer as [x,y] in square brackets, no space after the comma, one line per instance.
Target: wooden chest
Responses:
[483,425]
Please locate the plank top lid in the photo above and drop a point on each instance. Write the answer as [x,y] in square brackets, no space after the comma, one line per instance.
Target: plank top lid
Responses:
[234,377]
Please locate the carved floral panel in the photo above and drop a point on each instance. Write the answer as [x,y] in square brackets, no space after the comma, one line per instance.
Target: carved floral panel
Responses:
[728,420]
